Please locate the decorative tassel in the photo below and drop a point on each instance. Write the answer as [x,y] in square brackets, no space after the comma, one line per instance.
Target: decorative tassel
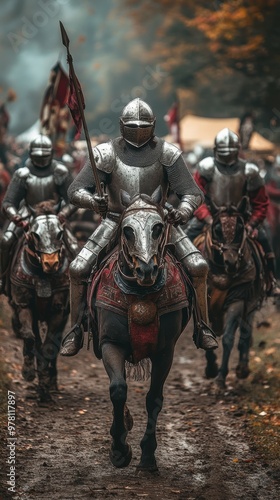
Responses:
[140,371]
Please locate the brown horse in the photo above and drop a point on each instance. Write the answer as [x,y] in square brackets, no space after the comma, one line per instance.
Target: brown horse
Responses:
[39,296]
[140,305]
[236,286]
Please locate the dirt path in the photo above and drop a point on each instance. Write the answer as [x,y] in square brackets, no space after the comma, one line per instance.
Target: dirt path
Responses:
[203,453]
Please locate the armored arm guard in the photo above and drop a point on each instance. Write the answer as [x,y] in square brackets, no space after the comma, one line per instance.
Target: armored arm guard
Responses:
[83,187]
[181,182]
[257,194]
[254,180]
[15,193]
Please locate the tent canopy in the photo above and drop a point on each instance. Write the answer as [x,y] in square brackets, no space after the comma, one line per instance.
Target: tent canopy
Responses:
[199,130]
[28,135]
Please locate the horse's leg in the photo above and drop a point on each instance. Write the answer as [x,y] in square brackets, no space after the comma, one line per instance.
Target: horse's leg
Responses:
[42,368]
[242,369]
[25,318]
[211,370]
[56,326]
[232,320]
[113,357]
[154,400]
[26,333]
[161,365]
[50,348]
[28,367]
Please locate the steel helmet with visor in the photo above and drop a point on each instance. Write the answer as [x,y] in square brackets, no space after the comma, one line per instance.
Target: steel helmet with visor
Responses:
[137,123]
[41,151]
[226,149]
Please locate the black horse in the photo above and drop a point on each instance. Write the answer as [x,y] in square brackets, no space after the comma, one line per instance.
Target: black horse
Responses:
[236,285]
[140,305]
[39,296]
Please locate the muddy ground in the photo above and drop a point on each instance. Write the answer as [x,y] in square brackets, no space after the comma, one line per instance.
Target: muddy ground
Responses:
[203,448]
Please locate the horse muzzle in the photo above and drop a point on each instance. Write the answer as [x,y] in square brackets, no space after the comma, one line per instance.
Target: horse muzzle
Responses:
[231,263]
[50,262]
[145,273]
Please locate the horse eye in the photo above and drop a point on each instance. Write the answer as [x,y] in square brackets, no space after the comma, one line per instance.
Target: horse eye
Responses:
[218,230]
[36,237]
[157,230]
[129,233]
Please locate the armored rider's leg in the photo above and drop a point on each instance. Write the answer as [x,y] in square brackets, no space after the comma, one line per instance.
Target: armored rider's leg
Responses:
[80,270]
[197,269]
[7,244]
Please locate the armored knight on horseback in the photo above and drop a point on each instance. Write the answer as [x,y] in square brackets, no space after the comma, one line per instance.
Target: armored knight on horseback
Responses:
[136,162]
[41,179]
[225,179]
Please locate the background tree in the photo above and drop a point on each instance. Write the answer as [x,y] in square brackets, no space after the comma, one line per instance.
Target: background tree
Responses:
[222,56]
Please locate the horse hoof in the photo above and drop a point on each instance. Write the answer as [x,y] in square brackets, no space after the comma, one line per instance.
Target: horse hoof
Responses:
[45,398]
[242,370]
[54,388]
[28,369]
[220,382]
[148,468]
[119,459]
[211,371]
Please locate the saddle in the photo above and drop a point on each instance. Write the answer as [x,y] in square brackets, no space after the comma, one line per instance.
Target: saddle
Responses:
[142,306]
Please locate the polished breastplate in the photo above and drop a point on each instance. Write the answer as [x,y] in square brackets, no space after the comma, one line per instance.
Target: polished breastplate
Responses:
[227,189]
[40,189]
[135,180]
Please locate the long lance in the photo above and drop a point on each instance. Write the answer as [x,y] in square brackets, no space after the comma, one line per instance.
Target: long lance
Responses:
[66,42]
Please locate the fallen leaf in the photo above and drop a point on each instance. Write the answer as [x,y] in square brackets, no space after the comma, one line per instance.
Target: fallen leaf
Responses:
[270,351]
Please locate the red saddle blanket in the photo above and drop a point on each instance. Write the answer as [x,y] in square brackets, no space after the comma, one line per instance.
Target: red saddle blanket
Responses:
[143,312]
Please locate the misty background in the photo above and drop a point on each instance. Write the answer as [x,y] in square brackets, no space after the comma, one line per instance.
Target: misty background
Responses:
[218,58]
[107,59]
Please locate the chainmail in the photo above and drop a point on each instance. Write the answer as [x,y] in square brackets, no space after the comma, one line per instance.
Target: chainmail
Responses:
[85,180]
[181,180]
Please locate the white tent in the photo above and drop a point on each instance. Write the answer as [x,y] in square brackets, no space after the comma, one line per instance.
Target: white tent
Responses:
[200,130]
[28,135]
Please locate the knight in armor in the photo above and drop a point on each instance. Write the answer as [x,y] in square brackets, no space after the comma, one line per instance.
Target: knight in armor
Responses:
[225,179]
[136,162]
[41,179]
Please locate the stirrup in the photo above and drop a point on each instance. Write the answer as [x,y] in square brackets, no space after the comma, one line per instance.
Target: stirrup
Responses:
[198,334]
[73,341]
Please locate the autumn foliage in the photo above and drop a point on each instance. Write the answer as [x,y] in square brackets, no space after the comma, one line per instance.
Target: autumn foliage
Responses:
[227,49]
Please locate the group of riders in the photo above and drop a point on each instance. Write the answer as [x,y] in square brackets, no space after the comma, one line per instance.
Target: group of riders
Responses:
[137,162]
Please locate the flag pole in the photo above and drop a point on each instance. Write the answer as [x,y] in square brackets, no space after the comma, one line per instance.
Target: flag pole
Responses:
[66,41]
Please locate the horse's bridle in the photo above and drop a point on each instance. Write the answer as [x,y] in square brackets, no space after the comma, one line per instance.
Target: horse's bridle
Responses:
[221,247]
[162,243]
